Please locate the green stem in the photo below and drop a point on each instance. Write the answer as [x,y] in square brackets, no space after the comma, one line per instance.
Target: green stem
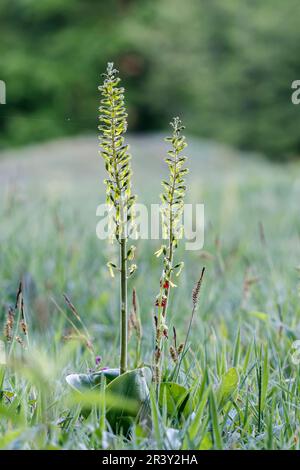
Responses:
[170,255]
[162,311]
[123,316]
[123,269]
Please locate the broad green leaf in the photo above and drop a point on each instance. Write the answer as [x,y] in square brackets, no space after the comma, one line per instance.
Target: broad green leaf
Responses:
[81,382]
[132,385]
[228,385]
[177,398]
[89,398]
[125,398]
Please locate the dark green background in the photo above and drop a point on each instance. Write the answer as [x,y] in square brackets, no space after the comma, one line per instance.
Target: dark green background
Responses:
[225,66]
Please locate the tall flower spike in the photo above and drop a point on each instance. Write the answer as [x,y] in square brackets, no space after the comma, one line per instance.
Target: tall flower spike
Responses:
[115,152]
[172,207]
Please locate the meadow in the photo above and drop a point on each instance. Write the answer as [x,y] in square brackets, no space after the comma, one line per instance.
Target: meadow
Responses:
[247,319]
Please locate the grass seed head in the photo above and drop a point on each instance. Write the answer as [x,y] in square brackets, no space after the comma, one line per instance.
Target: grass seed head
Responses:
[196,290]
[173,354]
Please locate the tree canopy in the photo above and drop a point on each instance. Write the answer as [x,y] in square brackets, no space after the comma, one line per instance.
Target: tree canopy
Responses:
[226,67]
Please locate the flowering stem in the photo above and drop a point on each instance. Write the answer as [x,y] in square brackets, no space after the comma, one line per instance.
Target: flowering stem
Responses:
[114,150]
[123,316]
[171,237]
[173,200]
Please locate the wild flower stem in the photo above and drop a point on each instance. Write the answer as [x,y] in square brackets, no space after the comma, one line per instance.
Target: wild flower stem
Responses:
[123,317]
[173,201]
[115,152]
[171,236]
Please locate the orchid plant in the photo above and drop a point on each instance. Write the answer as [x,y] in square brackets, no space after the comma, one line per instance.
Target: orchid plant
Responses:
[121,202]
[172,207]
[115,152]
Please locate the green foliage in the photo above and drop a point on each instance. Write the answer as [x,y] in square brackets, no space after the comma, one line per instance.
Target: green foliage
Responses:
[125,396]
[227,386]
[214,419]
[81,382]
[227,66]
[245,272]
[133,385]
[176,399]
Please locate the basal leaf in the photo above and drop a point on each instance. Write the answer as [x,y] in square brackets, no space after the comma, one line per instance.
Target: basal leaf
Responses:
[81,382]
[177,398]
[132,385]
[228,385]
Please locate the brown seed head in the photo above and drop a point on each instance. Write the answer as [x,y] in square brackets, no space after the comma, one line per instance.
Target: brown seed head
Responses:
[173,354]
[196,290]
[24,326]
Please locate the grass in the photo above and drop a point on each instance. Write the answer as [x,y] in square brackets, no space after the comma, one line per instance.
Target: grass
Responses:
[248,315]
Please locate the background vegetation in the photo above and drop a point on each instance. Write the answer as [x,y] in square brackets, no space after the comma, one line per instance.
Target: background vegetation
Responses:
[226,66]
[248,316]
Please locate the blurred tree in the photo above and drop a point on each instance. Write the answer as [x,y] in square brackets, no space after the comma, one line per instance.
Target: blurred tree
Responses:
[52,54]
[226,67]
